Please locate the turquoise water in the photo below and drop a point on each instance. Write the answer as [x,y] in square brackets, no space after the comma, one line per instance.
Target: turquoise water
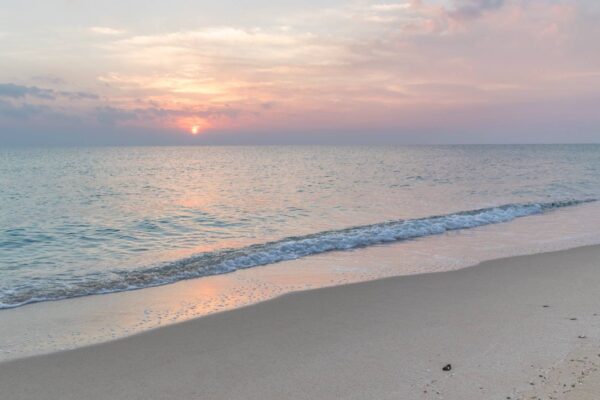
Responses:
[94,220]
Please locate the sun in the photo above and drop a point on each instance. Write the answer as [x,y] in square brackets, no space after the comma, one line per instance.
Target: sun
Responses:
[196,126]
[192,126]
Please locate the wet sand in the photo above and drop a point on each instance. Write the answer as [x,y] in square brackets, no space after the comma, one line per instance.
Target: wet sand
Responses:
[516,327]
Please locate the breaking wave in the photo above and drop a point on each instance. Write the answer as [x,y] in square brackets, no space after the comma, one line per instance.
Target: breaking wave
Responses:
[290,248]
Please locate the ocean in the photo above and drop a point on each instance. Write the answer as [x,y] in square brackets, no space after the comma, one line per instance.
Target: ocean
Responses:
[85,221]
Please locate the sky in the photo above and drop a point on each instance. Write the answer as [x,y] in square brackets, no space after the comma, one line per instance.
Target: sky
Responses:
[138,72]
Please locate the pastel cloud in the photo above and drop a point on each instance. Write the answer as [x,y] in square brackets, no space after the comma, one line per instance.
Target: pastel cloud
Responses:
[104,30]
[474,8]
[20,91]
[385,66]
[391,6]
[20,111]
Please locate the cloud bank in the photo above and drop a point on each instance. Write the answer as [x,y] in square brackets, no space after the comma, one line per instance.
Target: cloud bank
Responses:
[369,71]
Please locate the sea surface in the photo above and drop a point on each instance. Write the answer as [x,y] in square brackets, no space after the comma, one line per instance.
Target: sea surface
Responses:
[84,221]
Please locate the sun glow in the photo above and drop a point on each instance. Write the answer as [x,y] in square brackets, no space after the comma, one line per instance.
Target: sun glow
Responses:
[194,126]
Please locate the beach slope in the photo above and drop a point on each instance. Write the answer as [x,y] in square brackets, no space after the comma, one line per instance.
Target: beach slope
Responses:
[510,328]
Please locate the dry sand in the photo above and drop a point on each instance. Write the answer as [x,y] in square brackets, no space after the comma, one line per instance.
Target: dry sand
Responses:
[523,327]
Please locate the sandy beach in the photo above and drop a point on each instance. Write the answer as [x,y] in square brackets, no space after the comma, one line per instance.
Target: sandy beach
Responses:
[303,200]
[518,328]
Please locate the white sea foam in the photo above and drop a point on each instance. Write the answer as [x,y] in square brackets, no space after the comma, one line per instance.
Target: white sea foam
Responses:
[229,260]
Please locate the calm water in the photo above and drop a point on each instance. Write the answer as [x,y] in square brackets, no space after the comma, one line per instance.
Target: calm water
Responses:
[85,221]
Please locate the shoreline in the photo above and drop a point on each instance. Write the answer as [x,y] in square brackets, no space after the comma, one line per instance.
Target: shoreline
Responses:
[362,340]
[228,260]
[53,326]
